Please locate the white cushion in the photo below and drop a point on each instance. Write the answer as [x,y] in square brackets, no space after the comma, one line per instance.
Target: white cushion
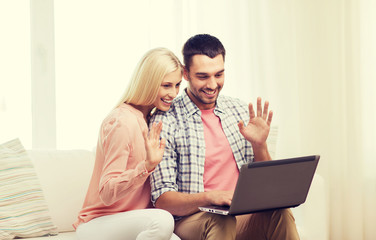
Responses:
[64,176]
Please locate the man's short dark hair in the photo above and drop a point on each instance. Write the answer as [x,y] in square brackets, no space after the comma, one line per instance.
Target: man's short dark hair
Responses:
[203,44]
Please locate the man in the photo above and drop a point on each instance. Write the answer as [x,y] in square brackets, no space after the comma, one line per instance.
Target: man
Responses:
[205,149]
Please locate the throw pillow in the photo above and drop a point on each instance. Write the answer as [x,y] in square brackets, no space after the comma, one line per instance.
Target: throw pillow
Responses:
[23,210]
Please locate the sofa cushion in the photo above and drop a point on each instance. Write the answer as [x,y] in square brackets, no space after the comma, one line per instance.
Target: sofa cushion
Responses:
[64,176]
[23,210]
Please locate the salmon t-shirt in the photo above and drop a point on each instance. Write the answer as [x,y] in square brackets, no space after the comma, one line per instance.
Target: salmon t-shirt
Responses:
[221,171]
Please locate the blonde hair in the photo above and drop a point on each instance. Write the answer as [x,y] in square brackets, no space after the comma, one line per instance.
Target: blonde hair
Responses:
[148,76]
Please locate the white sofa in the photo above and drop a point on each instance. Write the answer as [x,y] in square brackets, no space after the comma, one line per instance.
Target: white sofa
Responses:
[65,174]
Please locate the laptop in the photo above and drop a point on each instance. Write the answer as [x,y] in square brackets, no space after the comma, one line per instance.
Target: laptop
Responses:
[270,185]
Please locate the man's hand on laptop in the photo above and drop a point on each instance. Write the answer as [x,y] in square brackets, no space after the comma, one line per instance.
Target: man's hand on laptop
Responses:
[219,198]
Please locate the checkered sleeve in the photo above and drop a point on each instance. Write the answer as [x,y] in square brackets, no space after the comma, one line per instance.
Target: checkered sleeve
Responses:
[236,110]
[243,112]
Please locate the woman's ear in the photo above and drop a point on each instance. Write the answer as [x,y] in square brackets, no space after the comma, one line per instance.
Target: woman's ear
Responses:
[186,74]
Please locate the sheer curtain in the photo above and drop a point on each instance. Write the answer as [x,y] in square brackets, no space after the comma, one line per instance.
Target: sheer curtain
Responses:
[362,166]
[317,61]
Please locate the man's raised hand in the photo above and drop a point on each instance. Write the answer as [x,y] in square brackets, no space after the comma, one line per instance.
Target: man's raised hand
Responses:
[258,127]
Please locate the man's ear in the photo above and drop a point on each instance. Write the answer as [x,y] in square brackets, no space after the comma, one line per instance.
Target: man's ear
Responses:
[186,74]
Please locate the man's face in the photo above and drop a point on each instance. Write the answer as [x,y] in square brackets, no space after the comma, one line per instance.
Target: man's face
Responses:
[206,78]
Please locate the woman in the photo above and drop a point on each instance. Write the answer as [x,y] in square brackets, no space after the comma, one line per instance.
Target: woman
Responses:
[117,205]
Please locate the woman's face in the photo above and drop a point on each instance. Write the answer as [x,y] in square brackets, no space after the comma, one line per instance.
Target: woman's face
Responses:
[168,90]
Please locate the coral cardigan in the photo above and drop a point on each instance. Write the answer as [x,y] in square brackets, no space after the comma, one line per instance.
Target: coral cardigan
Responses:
[120,180]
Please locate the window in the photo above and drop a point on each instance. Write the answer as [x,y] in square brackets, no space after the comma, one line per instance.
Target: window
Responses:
[15,86]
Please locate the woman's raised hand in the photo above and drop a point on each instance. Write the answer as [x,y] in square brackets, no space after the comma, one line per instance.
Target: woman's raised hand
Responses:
[154,146]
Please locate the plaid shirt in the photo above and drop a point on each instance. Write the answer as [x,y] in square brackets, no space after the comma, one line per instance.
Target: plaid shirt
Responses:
[182,166]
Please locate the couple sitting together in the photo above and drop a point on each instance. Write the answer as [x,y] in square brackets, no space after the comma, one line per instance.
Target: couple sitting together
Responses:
[148,183]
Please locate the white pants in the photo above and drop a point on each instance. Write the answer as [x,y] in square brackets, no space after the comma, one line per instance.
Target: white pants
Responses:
[140,224]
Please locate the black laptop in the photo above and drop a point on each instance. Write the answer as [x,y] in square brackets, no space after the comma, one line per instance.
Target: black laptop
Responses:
[270,185]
